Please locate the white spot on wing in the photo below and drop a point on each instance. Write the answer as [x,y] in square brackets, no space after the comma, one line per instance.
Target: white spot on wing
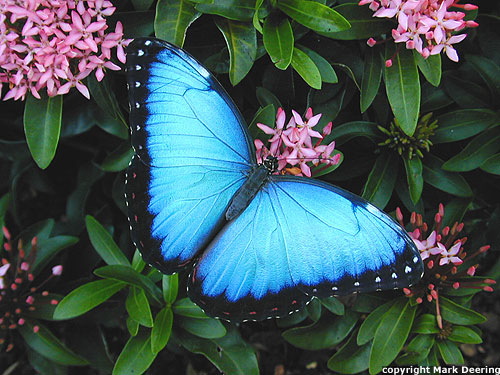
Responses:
[205,73]
[140,52]
[407,269]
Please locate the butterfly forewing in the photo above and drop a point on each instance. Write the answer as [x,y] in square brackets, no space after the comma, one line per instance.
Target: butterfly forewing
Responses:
[192,153]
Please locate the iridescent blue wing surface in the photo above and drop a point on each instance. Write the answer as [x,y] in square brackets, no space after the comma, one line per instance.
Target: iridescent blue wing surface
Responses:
[192,153]
[297,239]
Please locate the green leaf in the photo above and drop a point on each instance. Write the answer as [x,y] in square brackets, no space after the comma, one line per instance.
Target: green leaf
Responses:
[130,276]
[207,328]
[162,329]
[173,17]
[45,343]
[430,67]
[256,19]
[421,344]
[452,183]
[170,288]
[380,183]
[48,248]
[349,130]
[465,335]
[454,211]
[86,297]
[103,94]
[449,352]
[42,126]
[334,305]
[326,70]
[372,75]
[4,205]
[230,354]
[403,88]
[277,36]
[457,125]
[138,263]
[489,72]
[426,324]
[266,97]
[329,330]
[306,68]
[136,356]
[186,307]
[363,24]
[241,40]
[366,303]
[238,10]
[118,159]
[465,93]
[41,364]
[132,326]
[314,15]
[418,349]
[391,334]
[476,152]
[328,101]
[433,99]
[456,314]
[44,309]
[492,165]
[138,306]
[314,309]
[266,116]
[104,244]
[414,177]
[370,324]
[350,358]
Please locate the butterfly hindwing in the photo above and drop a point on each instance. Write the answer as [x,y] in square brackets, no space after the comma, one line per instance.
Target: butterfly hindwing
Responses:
[192,153]
[300,238]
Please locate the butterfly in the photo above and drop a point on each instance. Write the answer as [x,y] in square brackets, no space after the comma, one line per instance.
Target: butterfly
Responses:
[259,245]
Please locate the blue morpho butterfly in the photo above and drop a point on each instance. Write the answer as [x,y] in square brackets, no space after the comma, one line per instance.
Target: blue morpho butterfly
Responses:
[262,245]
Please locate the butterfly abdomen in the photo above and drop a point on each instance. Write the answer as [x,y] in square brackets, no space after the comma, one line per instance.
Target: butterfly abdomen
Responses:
[257,177]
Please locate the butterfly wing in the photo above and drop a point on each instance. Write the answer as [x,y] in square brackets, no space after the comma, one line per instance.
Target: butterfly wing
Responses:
[192,153]
[300,238]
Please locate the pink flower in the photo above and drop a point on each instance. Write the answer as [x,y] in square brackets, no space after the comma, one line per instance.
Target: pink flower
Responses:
[293,145]
[442,253]
[3,271]
[449,256]
[53,45]
[57,270]
[428,26]
[447,46]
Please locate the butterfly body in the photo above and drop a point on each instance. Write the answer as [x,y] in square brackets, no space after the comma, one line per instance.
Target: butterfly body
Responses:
[260,245]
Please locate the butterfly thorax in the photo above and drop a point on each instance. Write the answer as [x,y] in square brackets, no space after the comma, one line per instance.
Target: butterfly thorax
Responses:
[257,177]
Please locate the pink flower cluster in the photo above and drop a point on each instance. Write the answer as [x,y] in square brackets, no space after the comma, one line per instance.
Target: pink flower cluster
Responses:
[442,252]
[292,145]
[427,26]
[55,44]
[18,297]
